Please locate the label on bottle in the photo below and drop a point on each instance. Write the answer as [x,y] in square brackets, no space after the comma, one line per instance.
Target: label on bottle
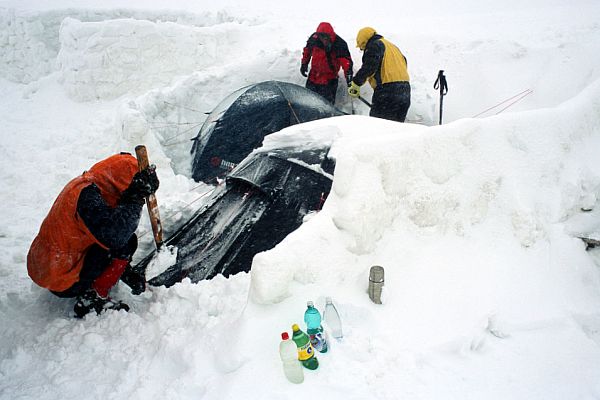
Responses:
[318,341]
[305,352]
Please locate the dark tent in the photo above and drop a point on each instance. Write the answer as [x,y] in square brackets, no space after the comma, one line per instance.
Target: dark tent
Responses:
[241,121]
[264,199]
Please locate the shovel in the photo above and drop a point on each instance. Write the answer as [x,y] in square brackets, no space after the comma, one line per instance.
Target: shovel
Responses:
[142,157]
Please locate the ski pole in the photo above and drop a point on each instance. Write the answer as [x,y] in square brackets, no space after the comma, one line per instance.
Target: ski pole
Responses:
[440,83]
[142,157]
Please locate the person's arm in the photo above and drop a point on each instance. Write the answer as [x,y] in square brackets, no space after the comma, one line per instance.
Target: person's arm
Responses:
[371,62]
[344,58]
[306,56]
[111,226]
[346,63]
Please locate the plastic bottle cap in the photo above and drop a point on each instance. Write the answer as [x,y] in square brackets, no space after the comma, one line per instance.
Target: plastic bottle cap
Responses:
[310,304]
[328,300]
[285,336]
[295,327]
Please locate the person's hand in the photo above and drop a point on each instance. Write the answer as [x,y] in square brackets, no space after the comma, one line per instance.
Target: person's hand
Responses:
[304,69]
[142,185]
[145,182]
[354,90]
[135,279]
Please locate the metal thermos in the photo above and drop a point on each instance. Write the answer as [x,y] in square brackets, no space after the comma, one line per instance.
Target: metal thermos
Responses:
[376,281]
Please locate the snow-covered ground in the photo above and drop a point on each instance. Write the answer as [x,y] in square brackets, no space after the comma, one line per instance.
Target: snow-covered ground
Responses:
[489,292]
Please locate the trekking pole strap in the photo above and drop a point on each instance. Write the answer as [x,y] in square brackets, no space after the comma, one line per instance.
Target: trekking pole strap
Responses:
[440,83]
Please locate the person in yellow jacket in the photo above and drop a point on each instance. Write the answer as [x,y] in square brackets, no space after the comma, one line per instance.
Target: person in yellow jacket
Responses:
[385,67]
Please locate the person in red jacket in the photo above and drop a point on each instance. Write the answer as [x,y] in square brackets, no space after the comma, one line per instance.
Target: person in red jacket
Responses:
[326,52]
[86,242]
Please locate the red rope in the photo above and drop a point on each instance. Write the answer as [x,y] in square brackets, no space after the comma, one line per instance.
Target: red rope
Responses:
[520,96]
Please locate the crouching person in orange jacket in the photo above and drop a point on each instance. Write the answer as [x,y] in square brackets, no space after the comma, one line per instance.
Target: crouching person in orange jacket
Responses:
[87,240]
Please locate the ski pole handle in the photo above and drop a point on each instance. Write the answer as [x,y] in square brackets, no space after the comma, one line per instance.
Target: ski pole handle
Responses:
[440,83]
[142,157]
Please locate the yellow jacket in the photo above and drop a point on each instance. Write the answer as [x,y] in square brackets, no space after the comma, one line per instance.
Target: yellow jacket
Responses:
[382,61]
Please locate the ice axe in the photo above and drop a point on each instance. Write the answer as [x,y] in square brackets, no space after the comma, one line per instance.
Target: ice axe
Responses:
[364,101]
[440,83]
[142,157]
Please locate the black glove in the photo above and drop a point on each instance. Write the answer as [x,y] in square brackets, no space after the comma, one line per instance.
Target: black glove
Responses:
[135,279]
[304,69]
[143,184]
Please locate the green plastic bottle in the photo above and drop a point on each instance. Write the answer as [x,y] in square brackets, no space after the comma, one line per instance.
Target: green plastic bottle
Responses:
[306,353]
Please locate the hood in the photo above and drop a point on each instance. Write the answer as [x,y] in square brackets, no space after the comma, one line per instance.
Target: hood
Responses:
[363,37]
[113,175]
[325,27]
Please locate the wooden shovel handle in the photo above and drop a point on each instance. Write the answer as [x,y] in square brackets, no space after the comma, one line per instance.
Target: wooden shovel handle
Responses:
[142,157]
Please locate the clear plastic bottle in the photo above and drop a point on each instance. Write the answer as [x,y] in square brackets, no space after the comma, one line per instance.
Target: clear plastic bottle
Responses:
[312,317]
[289,357]
[306,353]
[332,320]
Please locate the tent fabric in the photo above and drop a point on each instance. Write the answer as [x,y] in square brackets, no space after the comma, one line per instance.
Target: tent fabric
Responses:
[270,171]
[263,200]
[241,121]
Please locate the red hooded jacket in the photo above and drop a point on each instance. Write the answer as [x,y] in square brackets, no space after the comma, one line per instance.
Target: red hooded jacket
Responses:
[326,58]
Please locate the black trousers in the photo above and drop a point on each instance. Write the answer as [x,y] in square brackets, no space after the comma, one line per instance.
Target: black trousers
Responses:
[328,90]
[96,260]
[391,101]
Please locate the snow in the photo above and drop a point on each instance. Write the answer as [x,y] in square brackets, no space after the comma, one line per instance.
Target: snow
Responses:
[489,292]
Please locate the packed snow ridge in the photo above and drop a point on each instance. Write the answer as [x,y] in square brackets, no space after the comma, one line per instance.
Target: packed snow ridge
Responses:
[106,53]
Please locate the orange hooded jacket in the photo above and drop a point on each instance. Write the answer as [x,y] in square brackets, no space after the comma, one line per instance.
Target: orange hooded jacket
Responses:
[56,256]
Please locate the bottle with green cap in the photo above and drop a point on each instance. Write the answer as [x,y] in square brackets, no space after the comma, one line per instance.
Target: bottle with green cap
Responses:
[306,353]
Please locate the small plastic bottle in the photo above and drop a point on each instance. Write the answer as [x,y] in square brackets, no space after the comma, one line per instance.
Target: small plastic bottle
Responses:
[312,317]
[289,357]
[306,353]
[331,318]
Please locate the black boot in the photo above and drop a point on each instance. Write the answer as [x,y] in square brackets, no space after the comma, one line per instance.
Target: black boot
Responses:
[135,279]
[91,301]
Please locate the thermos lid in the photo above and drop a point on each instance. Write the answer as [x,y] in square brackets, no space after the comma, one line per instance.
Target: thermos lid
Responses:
[376,274]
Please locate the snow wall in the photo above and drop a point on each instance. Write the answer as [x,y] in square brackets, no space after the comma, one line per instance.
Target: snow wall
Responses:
[31,41]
